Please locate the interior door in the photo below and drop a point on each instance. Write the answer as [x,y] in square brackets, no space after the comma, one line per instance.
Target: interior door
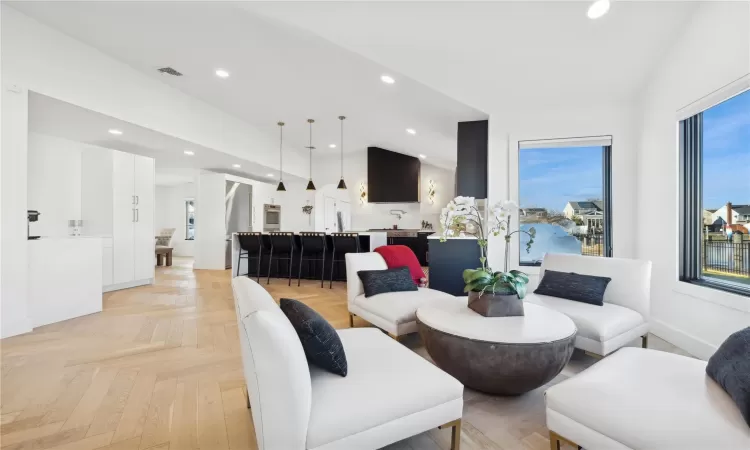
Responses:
[123,218]
[329,214]
[144,240]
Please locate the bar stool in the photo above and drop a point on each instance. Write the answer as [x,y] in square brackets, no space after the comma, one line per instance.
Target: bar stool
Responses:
[315,245]
[282,244]
[251,247]
[343,243]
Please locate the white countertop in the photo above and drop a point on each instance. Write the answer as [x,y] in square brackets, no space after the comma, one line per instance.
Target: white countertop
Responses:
[58,238]
[437,236]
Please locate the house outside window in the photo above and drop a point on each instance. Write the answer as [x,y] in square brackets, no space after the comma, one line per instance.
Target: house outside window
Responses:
[190,219]
[715,206]
[564,187]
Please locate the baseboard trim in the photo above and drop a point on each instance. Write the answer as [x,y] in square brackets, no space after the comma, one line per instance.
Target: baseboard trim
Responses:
[691,344]
[127,285]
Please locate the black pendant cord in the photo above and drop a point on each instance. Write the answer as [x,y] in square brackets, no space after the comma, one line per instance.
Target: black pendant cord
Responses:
[281,146]
[342,183]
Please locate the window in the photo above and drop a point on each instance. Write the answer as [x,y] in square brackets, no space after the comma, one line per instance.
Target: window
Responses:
[564,191]
[715,196]
[190,219]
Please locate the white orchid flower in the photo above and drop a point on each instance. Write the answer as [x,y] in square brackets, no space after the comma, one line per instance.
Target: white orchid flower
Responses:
[468,201]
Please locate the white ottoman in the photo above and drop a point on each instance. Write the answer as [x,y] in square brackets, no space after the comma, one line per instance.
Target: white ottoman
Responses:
[645,399]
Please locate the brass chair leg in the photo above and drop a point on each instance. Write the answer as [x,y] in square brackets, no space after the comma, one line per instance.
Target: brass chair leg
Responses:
[247,399]
[455,433]
[593,355]
[393,336]
[644,341]
[555,441]
[351,320]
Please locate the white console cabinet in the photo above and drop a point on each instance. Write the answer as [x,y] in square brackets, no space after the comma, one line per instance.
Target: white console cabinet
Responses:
[118,202]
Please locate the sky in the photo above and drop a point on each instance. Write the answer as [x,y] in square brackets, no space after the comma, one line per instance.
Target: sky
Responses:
[726,153]
[550,177]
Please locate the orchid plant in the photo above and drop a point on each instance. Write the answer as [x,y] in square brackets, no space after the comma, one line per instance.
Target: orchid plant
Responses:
[462,216]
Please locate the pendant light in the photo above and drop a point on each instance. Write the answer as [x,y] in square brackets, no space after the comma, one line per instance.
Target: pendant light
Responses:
[342,184]
[281,186]
[310,184]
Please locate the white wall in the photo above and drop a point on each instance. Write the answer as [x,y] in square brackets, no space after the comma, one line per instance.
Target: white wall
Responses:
[170,213]
[575,121]
[210,232]
[713,51]
[14,312]
[54,183]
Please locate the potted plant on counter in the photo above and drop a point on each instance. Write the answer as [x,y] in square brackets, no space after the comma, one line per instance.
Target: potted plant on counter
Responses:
[491,294]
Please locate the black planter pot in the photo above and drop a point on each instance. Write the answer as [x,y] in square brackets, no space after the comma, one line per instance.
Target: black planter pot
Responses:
[496,305]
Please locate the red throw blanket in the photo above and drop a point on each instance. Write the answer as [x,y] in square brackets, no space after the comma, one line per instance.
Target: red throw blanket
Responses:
[400,256]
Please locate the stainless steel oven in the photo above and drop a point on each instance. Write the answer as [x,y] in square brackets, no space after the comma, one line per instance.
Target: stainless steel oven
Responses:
[271,217]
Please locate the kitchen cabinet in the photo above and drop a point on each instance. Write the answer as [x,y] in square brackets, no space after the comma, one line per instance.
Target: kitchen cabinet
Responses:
[117,203]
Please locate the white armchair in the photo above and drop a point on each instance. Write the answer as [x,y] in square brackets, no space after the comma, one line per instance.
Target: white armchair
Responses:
[394,312]
[389,394]
[644,399]
[627,301]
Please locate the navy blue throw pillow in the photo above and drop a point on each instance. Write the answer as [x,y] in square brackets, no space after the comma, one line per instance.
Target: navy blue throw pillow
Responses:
[730,368]
[574,286]
[319,339]
[376,282]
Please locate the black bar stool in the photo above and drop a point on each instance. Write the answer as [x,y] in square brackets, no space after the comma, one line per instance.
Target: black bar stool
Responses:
[251,247]
[283,246]
[314,244]
[343,243]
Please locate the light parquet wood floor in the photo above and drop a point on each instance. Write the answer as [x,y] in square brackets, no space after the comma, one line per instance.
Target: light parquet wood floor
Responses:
[160,369]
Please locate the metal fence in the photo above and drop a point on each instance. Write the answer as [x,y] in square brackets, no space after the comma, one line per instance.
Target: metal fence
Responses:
[727,257]
[592,245]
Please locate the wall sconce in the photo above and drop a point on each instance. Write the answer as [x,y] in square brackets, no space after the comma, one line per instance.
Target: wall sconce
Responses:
[362,193]
[431,192]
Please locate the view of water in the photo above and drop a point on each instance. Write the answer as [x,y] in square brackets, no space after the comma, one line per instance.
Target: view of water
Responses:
[550,238]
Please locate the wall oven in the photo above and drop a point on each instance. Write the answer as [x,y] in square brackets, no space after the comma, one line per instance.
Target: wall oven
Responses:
[271,218]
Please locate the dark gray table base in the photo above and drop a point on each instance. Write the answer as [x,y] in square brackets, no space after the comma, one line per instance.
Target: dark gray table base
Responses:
[497,368]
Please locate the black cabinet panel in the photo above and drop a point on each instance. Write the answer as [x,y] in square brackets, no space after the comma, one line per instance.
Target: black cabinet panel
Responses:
[447,263]
[471,165]
[392,177]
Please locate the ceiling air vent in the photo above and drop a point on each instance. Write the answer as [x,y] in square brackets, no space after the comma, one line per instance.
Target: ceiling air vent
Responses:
[170,71]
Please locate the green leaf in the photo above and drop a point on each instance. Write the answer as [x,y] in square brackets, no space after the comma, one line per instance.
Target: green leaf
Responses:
[473,275]
[520,275]
[521,290]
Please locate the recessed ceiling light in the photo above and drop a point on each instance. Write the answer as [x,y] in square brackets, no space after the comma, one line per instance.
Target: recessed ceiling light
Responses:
[387,79]
[422,156]
[115,131]
[222,73]
[270,175]
[332,145]
[189,152]
[598,9]
[411,131]
[236,166]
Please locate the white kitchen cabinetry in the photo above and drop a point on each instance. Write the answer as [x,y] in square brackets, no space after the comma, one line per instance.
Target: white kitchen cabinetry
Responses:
[118,203]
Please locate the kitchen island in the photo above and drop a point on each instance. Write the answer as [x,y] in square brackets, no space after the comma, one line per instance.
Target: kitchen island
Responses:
[311,270]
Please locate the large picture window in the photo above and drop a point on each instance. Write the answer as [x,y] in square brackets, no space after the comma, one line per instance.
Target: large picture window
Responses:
[564,191]
[715,195]
[190,219]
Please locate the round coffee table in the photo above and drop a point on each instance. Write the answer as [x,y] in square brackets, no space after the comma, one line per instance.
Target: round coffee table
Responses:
[497,355]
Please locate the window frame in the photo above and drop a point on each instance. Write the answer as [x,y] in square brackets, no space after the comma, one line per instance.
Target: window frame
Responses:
[606,142]
[690,141]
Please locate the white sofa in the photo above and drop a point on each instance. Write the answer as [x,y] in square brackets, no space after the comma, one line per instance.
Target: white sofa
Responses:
[389,394]
[627,301]
[394,312]
[647,400]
